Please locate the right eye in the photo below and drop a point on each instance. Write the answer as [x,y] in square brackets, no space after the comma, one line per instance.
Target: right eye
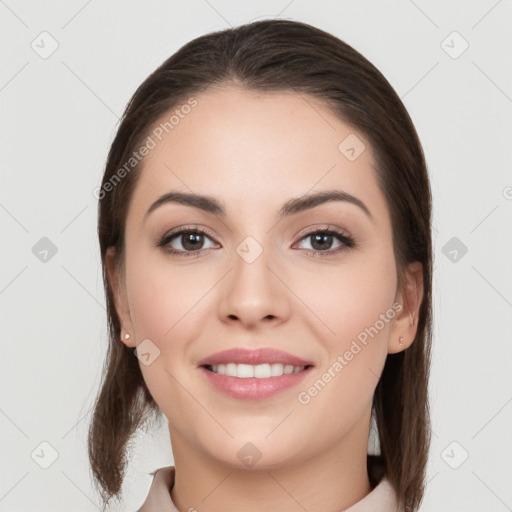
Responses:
[190,242]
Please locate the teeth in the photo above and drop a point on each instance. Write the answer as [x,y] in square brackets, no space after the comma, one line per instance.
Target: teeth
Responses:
[260,371]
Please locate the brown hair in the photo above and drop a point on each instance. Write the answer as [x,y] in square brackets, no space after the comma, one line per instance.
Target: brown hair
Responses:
[279,55]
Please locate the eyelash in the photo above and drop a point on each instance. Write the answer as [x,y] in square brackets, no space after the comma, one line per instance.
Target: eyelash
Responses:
[347,241]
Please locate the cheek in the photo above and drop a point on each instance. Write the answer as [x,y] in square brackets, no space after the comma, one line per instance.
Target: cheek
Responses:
[352,314]
[348,300]
[167,307]
[162,298]
[163,309]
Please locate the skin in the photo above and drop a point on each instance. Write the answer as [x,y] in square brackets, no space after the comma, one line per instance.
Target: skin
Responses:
[253,152]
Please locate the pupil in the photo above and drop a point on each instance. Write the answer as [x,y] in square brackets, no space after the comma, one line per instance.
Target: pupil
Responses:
[192,241]
[319,245]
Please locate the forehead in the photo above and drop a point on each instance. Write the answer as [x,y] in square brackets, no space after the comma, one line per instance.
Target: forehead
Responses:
[254,150]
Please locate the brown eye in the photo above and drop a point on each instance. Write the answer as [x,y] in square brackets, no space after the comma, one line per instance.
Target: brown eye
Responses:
[321,242]
[186,242]
[192,241]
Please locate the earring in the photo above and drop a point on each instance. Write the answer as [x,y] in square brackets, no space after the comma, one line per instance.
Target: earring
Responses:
[401,341]
[126,336]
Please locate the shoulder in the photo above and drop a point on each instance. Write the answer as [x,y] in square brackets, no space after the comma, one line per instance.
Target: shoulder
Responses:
[383,495]
[159,497]
[382,498]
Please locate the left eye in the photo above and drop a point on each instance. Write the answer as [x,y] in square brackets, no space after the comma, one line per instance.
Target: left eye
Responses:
[322,241]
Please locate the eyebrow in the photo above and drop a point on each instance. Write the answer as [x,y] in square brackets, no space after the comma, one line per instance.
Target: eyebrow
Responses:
[293,206]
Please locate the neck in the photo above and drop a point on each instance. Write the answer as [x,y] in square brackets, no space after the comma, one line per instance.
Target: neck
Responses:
[330,481]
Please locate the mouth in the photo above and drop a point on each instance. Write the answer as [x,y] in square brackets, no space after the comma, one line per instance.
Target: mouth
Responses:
[259,371]
[256,374]
[254,382]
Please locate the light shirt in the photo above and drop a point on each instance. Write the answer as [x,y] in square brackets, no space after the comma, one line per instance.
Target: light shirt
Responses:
[381,499]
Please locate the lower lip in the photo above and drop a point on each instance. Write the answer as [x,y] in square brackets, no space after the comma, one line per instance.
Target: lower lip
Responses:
[253,388]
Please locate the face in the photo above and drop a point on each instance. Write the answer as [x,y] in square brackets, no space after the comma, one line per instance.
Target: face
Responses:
[317,282]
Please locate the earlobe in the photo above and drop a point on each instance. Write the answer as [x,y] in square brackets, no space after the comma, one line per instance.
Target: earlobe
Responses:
[405,324]
[118,289]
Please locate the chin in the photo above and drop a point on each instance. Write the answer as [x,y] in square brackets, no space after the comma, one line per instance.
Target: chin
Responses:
[258,454]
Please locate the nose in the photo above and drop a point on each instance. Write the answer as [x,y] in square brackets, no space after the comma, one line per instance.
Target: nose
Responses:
[254,294]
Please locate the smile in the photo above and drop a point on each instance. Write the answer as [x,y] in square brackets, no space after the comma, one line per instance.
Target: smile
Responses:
[260,371]
[254,382]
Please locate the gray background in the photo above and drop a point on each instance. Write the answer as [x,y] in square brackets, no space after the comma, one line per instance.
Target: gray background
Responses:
[59,114]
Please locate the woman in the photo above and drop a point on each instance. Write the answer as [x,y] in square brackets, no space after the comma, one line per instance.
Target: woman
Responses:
[264,226]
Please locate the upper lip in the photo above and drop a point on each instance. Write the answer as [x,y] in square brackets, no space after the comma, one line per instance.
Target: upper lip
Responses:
[253,357]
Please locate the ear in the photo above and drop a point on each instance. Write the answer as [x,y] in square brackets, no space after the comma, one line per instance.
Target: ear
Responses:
[118,287]
[405,324]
